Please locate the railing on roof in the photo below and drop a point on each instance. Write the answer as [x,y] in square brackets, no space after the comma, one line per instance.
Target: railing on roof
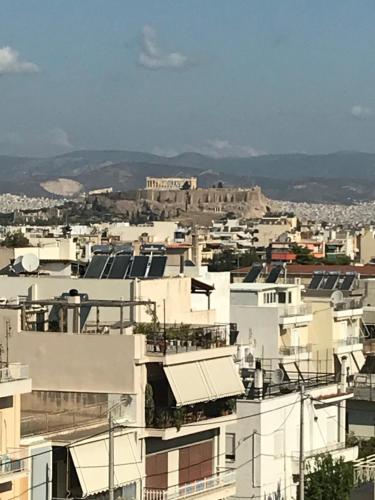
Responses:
[185,338]
[329,448]
[347,305]
[352,340]
[218,480]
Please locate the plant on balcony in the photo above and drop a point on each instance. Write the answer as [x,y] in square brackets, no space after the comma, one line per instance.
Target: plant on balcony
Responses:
[230,405]
[179,417]
[162,418]
[149,405]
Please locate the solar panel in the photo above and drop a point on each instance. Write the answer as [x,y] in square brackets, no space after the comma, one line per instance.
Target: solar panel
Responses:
[107,268]
[348,282]
[331,281]
[316,281]
[253,274]
[157,267]
[96,266]
[139,266]
[274,274]
[119,267]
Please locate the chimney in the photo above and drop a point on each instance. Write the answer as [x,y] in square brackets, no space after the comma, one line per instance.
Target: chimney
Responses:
[258,380]
[74,325]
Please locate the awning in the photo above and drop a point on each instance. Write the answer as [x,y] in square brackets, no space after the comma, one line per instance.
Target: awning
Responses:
[201,287]
[204,380]
[90,459]
[359,359]
[290,370]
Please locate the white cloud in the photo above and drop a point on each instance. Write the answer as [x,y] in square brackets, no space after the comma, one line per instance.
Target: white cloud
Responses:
[58,137]
[153,57]
[359,111]
[10,62]
[216,148]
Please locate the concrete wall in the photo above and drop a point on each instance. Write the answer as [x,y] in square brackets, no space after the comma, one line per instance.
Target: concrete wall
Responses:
[78,363]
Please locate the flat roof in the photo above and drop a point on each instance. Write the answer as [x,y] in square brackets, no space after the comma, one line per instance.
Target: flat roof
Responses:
[258,287]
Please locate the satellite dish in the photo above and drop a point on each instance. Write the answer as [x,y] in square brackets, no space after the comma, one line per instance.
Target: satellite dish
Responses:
[337,297]
[277,376]
[30,262]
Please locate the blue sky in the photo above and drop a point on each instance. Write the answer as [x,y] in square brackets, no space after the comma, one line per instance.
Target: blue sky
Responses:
[223,77]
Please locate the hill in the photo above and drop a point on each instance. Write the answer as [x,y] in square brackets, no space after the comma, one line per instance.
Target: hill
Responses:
[337,177]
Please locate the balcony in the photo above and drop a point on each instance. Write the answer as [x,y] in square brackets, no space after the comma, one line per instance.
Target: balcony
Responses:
[301,313]
[218,483]
[183,338]
[12,462]
[169,417]
[348,344]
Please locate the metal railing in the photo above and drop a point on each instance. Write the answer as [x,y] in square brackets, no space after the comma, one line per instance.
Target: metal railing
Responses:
[13,461]
[297,310]
[14,371]
[186,490]
[187,338]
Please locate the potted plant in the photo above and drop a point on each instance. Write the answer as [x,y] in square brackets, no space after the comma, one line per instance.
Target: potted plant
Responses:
[149,405]
[161,418]
[178,417]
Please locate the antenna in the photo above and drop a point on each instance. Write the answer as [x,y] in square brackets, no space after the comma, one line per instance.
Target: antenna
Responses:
[277,376]
[30,262]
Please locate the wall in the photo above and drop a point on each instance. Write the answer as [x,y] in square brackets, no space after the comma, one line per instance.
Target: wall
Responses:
[54,367]
[260,324]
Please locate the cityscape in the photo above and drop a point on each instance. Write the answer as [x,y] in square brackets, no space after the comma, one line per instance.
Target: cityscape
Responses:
[187,250]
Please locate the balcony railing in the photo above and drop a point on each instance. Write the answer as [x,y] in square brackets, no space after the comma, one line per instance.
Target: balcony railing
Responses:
[167,417]
[13,372]
[294,350]
[185,338]
[348,305]
[13,461]
[297,310]
[186,490]
[329,448]
[348,341]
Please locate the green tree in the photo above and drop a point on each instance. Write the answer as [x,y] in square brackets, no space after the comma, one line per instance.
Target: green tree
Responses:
[328,478]
[303,255]
[227,260]
[15,240]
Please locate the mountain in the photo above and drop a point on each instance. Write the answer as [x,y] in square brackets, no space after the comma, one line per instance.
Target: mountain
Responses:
[344,176]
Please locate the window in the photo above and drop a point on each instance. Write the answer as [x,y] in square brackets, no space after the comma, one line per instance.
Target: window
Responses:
[230,446]
[289,297]
[282,297]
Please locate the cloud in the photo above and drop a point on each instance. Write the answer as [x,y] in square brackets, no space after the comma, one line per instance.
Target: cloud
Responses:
[11,63]
[361,112]
[216,148]
[58,137]
[153,57]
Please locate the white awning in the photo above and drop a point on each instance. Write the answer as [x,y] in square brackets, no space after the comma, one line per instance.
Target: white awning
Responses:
[204,380]
[306,368]
[359,359]
[90,459]
[290,370]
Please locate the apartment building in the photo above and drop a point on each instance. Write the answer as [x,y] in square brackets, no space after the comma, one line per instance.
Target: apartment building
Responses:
[15,462]
[158,360]
[264,447]
[274,320]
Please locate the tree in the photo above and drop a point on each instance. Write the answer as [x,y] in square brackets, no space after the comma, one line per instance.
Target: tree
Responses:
[328,478]
[227,260]
[303,255]
[15,240]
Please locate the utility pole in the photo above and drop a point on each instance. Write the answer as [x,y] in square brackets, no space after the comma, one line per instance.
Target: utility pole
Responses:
[301,450]
[111,465]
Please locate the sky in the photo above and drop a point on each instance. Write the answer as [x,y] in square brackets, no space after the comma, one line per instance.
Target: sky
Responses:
[220,77]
